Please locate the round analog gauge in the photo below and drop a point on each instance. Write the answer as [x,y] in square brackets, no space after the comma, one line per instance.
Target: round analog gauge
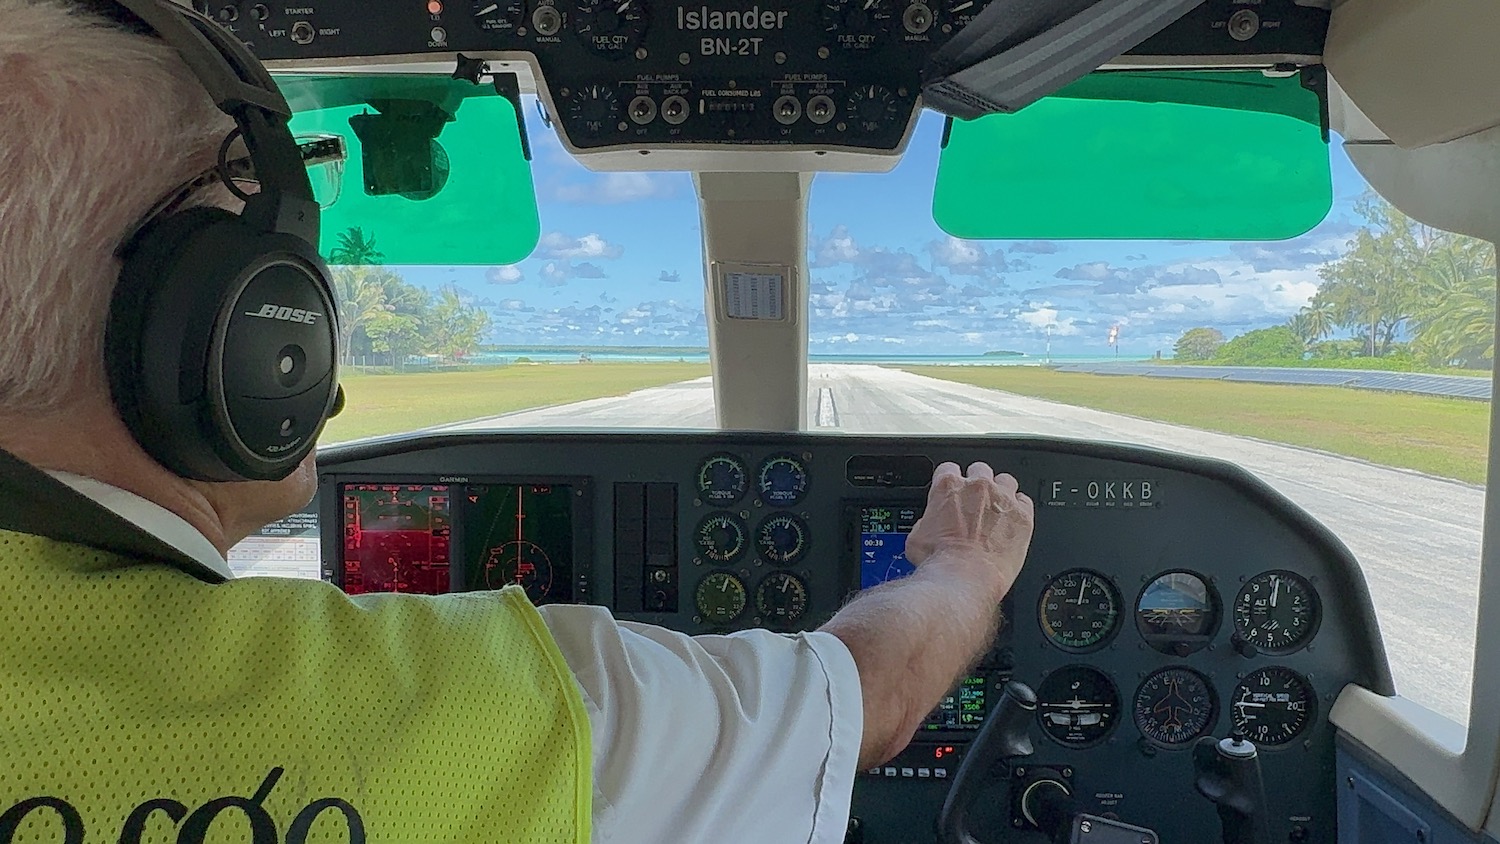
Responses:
[720,537]
[1077,705]
[781,599]
[1272,706]
[1079,610]
[611,28]
[1276,612]
[782,538]
[873,108]
[722,480]
[782,480]
[503,16]
[594,108]
[1174,706]
[720,598]
[858,24]
[1177,613]
[523,563]
[957,14]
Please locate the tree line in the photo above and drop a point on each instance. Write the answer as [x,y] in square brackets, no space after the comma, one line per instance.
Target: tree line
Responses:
[1404,292]
[383,316]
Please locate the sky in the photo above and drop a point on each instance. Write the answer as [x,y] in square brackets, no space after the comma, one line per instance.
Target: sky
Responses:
[620,264]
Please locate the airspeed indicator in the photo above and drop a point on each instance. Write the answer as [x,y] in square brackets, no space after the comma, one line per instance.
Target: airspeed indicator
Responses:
[1079,610]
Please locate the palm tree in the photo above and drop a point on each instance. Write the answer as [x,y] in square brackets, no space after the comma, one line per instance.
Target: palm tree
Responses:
[355,249]
[1318,319]
[360,295]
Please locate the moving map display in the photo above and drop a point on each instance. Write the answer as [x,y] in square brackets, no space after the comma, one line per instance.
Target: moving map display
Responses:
[882,543]
[397,538]
[521,534]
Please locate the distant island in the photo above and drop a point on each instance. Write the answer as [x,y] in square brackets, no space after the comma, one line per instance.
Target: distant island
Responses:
[589,350]
[1003,353]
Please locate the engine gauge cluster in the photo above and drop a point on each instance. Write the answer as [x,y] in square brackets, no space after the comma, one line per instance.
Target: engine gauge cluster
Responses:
[761,533]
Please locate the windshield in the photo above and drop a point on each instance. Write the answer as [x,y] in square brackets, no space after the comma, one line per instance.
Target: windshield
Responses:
[1274,355]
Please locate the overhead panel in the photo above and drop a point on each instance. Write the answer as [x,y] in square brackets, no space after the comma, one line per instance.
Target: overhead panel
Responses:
[714,85]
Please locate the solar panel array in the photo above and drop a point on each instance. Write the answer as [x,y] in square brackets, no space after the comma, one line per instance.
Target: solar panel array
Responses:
[1451,386]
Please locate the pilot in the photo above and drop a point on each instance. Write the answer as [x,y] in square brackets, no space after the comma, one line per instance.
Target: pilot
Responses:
[147,695]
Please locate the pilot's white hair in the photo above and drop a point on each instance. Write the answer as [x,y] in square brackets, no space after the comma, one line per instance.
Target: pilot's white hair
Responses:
[96,125]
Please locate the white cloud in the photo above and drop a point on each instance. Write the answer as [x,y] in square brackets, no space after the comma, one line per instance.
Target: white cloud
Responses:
[838,248]
[509,274]
[1043,316]
[559,245]
[965,257]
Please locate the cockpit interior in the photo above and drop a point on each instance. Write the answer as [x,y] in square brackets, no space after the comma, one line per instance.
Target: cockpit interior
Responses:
[1189,656]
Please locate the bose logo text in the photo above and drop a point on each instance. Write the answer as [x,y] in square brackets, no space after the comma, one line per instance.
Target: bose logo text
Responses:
[285,314]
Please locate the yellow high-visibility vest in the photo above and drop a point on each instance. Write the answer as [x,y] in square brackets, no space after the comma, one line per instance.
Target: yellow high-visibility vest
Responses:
[139,704]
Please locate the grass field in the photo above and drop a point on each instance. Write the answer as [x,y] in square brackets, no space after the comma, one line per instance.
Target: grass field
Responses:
[1444,437]
[390,404]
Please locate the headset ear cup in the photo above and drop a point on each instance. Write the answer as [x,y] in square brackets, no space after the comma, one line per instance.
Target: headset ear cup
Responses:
[206,309]
[147,262]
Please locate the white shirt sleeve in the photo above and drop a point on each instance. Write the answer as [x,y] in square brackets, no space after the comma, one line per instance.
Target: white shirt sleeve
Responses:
[749,738]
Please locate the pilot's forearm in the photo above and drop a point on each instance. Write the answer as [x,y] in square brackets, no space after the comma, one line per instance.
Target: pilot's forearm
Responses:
[912,639]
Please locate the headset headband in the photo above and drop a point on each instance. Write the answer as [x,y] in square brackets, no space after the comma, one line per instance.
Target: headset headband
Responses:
[242,88]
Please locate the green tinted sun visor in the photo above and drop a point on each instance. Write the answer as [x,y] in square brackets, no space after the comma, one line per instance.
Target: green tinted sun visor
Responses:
[1156,155]
[437,172]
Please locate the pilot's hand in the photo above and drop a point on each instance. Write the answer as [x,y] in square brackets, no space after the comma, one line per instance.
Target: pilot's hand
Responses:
[981,520]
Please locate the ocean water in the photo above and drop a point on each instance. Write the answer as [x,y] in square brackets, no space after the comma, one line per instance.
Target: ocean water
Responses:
[625,355]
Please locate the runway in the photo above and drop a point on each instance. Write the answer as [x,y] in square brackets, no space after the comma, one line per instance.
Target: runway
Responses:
[1417,537]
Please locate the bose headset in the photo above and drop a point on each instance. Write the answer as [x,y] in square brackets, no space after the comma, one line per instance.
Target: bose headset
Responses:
[222,341]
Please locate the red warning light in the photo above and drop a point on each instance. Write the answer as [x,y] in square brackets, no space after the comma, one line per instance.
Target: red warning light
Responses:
[434,7]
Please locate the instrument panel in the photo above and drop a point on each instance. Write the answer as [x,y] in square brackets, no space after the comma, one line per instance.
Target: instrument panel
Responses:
[642,75]
[1164,598]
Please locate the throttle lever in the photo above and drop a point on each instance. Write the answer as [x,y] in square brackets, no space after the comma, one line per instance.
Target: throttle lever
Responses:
[1227,772]
[1004,737]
